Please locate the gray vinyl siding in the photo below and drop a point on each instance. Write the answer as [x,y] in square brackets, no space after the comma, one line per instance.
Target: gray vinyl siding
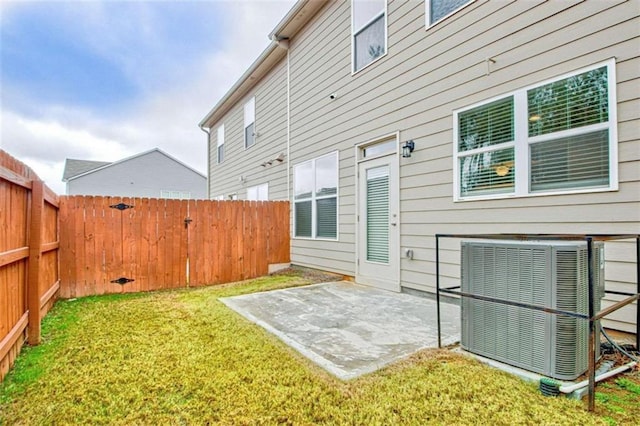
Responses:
[271,125]
[414,89]
[426,75]
[321,65]
[141,176]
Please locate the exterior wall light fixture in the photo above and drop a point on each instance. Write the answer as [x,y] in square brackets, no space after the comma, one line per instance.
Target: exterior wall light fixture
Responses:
[408,148]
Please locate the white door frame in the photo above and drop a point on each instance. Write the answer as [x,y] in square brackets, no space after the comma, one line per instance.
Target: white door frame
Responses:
[394,206]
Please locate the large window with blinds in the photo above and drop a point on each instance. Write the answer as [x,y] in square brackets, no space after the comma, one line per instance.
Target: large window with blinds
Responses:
[558,136]
[315,185]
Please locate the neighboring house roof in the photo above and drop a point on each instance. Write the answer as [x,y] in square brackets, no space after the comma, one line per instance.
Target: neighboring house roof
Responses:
[104,165]
[73,168]
[290,25]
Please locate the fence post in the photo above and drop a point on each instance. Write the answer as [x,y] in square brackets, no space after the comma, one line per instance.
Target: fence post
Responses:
[35,260]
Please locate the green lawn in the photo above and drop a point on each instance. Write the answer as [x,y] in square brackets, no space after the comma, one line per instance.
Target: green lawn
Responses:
[184,358]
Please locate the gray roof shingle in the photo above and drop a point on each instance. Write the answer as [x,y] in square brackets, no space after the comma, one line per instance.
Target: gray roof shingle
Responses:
[77,167]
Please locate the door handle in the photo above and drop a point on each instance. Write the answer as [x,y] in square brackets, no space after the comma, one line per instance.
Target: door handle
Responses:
[393,224]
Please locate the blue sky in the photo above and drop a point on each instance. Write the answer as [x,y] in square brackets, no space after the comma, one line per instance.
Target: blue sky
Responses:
[103,80]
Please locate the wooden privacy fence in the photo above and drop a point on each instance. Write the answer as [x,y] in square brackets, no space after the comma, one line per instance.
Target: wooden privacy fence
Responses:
[82,245]
[28,256]
[116,244]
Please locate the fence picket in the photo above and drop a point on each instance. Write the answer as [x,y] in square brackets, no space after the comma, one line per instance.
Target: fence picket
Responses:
[29,217]
[227,241]
[84,244]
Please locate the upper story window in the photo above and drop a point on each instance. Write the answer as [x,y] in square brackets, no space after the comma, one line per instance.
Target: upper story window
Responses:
[369,30]
[220,142]
[258,192]
[315,185]
[555,137]
[250,123]
[440,9]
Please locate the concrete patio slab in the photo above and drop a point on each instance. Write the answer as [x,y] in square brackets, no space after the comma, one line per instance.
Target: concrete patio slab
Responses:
[349,329]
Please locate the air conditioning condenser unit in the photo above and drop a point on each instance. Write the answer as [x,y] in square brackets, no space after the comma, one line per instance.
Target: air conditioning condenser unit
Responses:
[544,273]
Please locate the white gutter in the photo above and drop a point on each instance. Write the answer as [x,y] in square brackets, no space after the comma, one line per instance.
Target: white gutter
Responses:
[288,18]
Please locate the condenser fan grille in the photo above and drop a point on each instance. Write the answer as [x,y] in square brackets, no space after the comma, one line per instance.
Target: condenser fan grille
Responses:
[538,273]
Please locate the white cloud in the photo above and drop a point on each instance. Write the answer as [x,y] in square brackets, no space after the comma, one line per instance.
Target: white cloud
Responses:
[165,117]
[44,144]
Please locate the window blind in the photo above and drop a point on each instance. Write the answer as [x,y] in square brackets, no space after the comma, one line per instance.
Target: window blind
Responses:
[303,218]
[573,102]
[571,162]
[378,214]
[487,172]
[486,125]
[326,218]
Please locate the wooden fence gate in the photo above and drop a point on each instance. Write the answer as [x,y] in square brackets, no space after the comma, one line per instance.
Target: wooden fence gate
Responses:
[115,244]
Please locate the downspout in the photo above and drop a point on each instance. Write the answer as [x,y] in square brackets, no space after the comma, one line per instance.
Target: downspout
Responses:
[283,42]
[188,220]
[208,132]
[289,196]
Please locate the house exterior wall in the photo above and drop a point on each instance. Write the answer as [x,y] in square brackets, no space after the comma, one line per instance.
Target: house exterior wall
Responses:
[242,167]
[143,176]
[414,90]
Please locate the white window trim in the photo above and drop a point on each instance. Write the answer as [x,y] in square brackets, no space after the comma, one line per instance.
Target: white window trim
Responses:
[427,13]
[258,188]
[170,194]
[314,198]
[360,158]
[523,141]
[219,198]
[353,38]
[219,142]
[252,102]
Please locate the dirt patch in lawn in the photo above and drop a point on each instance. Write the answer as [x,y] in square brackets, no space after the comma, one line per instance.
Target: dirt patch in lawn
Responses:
[311,276]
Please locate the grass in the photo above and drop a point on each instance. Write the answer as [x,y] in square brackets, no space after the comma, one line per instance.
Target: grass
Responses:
[618,400]
[184,358]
